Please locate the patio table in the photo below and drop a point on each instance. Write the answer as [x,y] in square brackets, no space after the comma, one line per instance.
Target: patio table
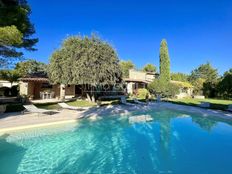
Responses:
[46,95]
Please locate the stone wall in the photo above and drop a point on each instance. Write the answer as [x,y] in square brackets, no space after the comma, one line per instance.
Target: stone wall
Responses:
[150,77]
[23,88]
[137,75]
[69,91]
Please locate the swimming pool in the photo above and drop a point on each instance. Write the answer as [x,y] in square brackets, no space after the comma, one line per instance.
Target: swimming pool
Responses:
[173,142]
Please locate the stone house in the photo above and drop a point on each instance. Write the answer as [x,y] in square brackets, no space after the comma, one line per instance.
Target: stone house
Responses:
[37,86]
[140,79]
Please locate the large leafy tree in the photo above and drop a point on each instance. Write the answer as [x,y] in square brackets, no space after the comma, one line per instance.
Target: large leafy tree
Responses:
[149,68]
[85,60]
[204,71]
[225,85]
[9,75]
[198,86]
[164,62]
[30,66]
[125,67]
[15,30]
[210,77]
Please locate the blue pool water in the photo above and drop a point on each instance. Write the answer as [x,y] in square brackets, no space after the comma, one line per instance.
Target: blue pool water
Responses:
[173,143]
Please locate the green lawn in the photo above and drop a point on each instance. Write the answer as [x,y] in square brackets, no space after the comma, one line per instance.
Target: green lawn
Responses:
[81,103]
[48,106]
[214,103]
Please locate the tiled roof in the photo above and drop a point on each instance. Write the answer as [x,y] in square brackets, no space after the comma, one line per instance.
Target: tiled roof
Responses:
[34,79]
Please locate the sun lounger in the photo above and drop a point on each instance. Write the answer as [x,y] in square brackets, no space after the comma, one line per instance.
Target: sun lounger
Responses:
[204,104]
[123,101]
[139,102]
[66,106]
[33,109]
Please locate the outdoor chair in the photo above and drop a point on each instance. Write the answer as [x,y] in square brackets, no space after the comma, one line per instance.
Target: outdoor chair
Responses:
[204,104]
[33,109]
[66,106]
[123,101]
[139,102]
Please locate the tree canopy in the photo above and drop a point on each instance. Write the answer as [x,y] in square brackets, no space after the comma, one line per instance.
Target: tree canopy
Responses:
[164,62]
[209,76]
[10,35]
[125,67]
[225,85]
[198,86]
[9,75]
[149,68]
[204,71]
[84,60]
[15,30]
[29,67]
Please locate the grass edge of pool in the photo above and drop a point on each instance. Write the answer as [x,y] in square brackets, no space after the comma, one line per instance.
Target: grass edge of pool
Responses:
[216,104]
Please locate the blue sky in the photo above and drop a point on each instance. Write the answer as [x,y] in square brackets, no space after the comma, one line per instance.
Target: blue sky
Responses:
[197,31]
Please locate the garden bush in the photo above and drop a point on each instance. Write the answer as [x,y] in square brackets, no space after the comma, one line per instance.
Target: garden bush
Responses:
[142,93]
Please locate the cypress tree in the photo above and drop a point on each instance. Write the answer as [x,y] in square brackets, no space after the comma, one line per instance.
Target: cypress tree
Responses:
[164,62]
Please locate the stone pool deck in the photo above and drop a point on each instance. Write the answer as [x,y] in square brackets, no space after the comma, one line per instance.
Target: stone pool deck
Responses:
[17,121]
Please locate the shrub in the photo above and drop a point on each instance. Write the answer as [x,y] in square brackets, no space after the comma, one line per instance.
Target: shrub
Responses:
[142,93]
[14,107]
[165,89]
[172,90]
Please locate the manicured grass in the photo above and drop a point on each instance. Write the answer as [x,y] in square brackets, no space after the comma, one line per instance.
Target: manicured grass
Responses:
[214,103]
[48,106]
[81,103]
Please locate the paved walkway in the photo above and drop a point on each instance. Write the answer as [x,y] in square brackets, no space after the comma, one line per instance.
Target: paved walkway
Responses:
[13,121]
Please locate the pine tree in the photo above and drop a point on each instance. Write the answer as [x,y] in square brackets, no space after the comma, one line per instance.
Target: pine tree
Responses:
[164,62]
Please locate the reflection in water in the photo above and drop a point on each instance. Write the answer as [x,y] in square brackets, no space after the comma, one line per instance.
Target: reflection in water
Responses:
[10,156]
[112,145]
[165,131]
[205,123]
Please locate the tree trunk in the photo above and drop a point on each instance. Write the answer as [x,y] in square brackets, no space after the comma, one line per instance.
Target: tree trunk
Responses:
[93,98]
[90,97]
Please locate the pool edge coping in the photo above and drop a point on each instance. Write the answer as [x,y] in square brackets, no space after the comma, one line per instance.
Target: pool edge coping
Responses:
[18,128]
[192,109]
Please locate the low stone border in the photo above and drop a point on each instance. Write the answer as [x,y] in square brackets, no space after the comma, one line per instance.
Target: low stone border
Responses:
[11,129]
